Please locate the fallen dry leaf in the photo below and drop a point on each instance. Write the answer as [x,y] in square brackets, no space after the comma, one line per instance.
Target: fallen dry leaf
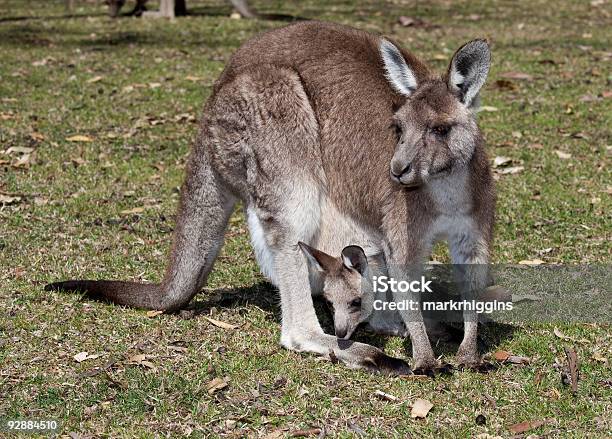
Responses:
[572,362]
[79,138]
[154,313]
[194,78]
[487,108]
[217,384]
[23,162]
[563,155]
[133,211]
[37,136]
[220,324]
[409,21]
[531,262]
[137,358]
[522,427]
[537,379]
[501,161]
[598,357]
[560,334]
[19,150]
[8,199]
[588,98]
[516,359]
[510,170]
[385,396]
[95,79]
[141,360]
[517,75]
[501,355]
[420,408]
[149,365]
[82,356]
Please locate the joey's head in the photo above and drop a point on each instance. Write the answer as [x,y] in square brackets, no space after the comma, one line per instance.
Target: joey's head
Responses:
[341,278]
[435,128]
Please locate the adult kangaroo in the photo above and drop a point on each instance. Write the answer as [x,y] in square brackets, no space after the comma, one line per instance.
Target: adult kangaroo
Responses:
[314,122]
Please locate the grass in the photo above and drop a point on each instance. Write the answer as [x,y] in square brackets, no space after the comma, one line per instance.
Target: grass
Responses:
[135,88]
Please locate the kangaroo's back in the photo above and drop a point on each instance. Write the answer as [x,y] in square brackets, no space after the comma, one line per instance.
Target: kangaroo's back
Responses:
[343,76]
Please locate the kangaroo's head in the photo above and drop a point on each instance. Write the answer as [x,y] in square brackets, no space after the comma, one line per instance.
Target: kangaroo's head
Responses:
[341,278]
[436,127]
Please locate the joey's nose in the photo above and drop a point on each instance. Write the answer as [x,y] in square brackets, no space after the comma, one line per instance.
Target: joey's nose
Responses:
[398,171]
[341,332]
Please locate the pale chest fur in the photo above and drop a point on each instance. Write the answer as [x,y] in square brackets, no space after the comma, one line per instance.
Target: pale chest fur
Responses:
[452,202]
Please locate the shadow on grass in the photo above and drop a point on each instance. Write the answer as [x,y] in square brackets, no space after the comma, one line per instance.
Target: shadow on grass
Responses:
[445,337]
[49,17]
[262,295]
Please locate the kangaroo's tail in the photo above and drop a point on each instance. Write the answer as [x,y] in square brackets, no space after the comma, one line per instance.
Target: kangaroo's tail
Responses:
[137,295]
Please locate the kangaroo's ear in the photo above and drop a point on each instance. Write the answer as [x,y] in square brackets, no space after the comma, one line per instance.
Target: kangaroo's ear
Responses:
[354,257]
[318,260]
[398,73]
[468,70]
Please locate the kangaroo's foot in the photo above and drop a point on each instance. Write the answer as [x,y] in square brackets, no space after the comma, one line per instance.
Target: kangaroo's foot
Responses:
[468,358]
[353,354]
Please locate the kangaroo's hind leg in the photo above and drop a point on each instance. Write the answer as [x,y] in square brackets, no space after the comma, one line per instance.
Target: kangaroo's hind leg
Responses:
[301,330]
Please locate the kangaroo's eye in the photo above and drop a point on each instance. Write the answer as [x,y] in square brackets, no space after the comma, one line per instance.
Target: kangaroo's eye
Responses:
[441,130]
[356,303]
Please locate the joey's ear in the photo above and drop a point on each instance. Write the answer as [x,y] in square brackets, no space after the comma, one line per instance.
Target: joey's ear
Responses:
[354,257]
[318,260]
[398,73]
[468,70]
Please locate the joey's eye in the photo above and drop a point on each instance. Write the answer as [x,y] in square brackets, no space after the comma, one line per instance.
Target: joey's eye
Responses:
[356,303]
[441,130]
[397,130]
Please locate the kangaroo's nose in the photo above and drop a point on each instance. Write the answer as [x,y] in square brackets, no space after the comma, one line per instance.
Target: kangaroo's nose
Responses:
[403,171]
[341,332]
